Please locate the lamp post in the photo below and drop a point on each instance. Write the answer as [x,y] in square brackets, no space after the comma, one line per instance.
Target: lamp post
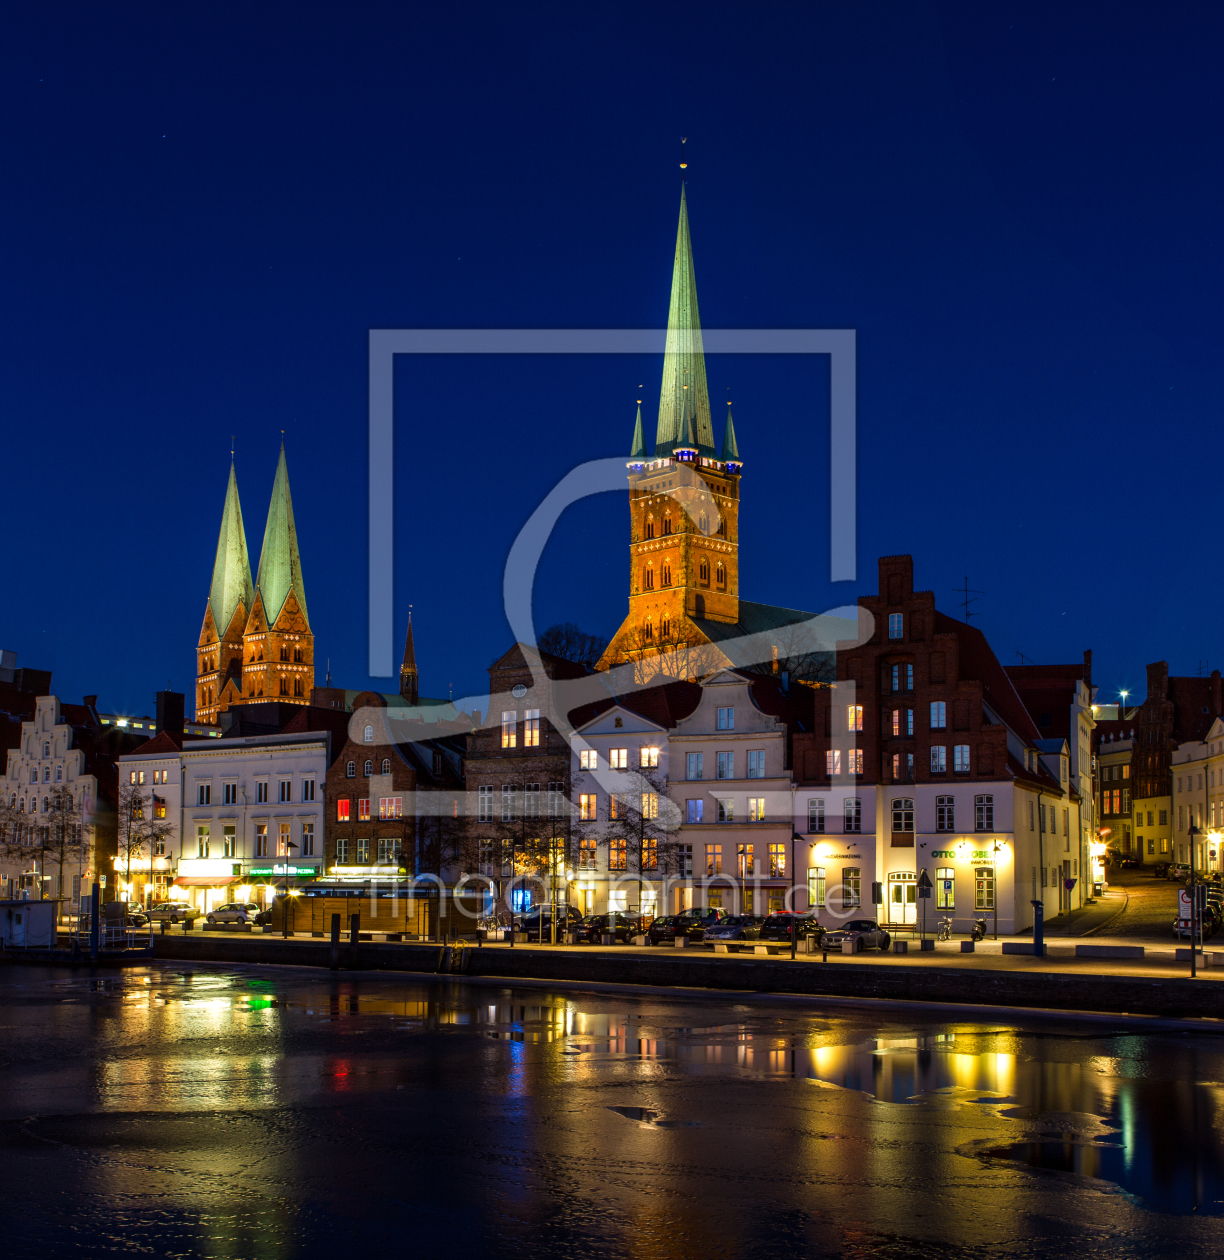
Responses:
[1194,914]
[289,847]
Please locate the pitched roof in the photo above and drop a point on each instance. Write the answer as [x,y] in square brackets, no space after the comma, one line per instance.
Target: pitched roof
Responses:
[730,450]
[162,742]
[978,662]
[231,578]
[280,566]
[664,705]
[683,355]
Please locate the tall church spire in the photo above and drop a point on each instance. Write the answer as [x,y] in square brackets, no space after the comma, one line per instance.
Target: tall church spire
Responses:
[231,578]
[408,670]
[280,566]
[684,357]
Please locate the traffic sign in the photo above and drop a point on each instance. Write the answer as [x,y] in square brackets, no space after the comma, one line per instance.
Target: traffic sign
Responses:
[924,884]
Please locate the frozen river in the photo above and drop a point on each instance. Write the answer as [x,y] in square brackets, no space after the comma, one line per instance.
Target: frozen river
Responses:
[176,1110]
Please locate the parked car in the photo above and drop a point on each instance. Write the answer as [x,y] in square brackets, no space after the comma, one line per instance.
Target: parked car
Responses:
[234,912]
[1129,863]
[1208,927]
[594,927]
[778,926]
[695,921]
[735,927]
[664,928]
[866,933]
[537,922]
[173,912]
[1160,870]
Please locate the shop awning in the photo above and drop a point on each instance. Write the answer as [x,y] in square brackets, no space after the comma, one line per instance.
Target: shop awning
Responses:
[203,881]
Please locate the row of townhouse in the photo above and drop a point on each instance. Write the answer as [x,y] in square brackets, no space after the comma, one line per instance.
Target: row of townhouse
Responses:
[740,792]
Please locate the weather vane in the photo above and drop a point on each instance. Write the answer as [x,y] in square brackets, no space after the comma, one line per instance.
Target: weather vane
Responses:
[683,163]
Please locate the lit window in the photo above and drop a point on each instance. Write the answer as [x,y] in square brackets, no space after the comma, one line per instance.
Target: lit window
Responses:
[817,883]
[983,888]
[390,807]
[833,761]
[617,851]
[531,729]
[588,804]
[282,840]
[939,759]
[649,757]
[745,866]
[650,805]
[945,886]
[816,815]
[854,759]
[713,859]
[777,861]
[939,715]
[896,626]
[618,758]
[509,728]
[363,810]
[693,810]
[342,809]
[363,851]
[588,759]
[756,809]
[261,839]
[854,717]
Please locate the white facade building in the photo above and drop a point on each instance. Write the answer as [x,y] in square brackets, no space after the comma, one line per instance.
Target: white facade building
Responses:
[43,768]
[252,816]
[155,769]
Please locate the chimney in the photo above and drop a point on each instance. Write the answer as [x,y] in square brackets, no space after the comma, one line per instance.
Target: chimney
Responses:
[1158,680]
[1088,669]
[171,710]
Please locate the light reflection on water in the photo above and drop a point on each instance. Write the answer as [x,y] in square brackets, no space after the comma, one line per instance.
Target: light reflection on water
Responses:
[220,1066]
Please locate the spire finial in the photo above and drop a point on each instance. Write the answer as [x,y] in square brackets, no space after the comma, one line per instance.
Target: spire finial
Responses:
[683,163]
[233,438]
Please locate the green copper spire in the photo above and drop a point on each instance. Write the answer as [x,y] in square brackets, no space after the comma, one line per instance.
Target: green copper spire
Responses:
[685,439]
[638,454]
[231,579]
[683,355]
[280,566]
[730,451]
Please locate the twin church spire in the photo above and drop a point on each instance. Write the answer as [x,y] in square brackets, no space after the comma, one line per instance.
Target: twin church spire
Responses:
[256,643]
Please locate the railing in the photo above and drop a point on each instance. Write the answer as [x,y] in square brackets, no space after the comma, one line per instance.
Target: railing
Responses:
[111,936]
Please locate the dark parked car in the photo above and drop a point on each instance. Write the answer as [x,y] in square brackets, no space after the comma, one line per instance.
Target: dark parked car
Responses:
[778,926]
[594,927]
[736,927]
[691,924]
[537,922]
[1160,870]
[867,934]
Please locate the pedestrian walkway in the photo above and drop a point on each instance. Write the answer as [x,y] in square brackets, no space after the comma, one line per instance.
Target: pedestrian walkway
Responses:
[1090,919]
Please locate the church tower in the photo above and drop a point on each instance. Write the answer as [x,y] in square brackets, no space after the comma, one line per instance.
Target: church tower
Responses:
[219,652]
[683,497]
[408,670]
[277,644]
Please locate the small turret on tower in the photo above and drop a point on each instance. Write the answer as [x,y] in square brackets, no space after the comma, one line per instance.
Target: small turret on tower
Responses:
[730,451]
[637,455]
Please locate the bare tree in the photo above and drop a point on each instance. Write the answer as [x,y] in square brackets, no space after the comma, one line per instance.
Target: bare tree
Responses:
[143,827]
[567,641]
[57,830]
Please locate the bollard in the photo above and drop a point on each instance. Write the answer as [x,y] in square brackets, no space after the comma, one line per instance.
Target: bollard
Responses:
[900,947]
[926,945]
[680,942]
[335,942]
[165,926]
[966,947]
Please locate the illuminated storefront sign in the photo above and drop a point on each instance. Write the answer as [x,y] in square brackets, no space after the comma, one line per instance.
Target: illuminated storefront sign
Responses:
[281,868]
[200,868]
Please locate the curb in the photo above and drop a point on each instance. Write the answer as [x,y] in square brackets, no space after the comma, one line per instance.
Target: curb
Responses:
[1113,918]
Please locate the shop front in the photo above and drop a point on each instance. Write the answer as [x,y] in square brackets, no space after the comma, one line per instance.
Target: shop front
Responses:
[971,880]
[207,883]
[143,881]
[840,872]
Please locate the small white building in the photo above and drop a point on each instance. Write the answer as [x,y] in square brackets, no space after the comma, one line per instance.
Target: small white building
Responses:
[43,771]
[252,816]
[156,769]
[1197,774]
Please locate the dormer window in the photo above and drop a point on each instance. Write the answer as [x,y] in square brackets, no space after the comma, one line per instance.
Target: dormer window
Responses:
[369,735]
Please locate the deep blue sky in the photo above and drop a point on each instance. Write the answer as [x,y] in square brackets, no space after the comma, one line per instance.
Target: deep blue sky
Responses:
[206,207]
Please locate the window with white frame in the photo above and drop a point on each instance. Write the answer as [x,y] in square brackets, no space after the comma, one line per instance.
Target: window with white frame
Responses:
[983,813]
[649,757]
[945,813]
[509,795]
[202,840]
[833,761]
[588,805]
[854,717]
[204,794]
[816,815]
[945,888]
[308,839]
[694,810]
[939,759]
[484,804]
[286,791]
[532,800]
[852,814]
[725,720]
[903,814]
[896,626]
[618,759]
[509,728]
[756,809]
[588,759]
[939,715]
[756,763]
[817,883]
[852,887]
[726,809]
[960,759]
[694,765]
[726,765]
[556,800]
[308,789]
[261,792]
[368,734]
[229,794]
[531,728]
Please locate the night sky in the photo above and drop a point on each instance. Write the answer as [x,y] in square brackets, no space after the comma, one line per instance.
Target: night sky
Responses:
[206,207]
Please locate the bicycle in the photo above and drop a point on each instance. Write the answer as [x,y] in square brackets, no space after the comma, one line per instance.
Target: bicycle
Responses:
[945,930]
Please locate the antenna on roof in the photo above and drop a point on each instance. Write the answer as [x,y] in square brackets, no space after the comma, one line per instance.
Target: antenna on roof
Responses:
[966,591]
[1024,660]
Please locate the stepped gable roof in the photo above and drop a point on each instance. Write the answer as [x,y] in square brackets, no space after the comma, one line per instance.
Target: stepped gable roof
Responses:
[280,565]
[684,356]
[231,578]
[978,662]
